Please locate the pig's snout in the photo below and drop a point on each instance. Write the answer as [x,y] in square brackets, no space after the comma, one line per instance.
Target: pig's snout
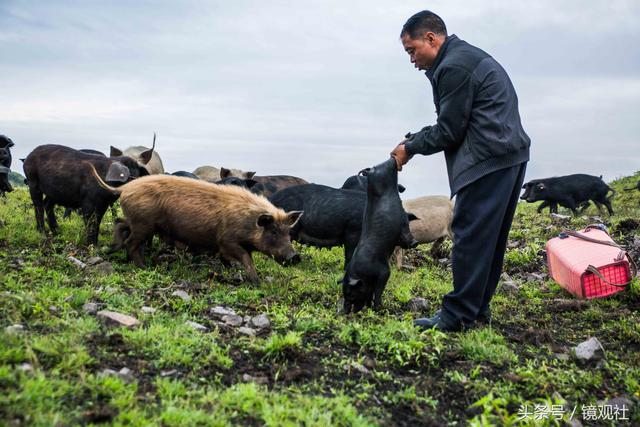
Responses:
[414,243]
[291,259]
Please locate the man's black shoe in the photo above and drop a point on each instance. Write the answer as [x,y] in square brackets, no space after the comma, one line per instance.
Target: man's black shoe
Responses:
[439,322]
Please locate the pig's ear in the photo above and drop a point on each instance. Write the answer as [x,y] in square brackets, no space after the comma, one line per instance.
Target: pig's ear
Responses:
[265,219]
[293,217]
[224,173]
[115,152]
[22,160]
[364,172]
[249,175]
[117,173]
[10,144]
[401,188]
[411,217]
[145,156]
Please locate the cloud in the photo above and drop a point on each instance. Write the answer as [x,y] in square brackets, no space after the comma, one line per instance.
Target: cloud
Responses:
[318,89]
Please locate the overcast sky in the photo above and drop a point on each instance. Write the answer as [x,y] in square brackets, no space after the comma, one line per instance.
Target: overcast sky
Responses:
[316,89]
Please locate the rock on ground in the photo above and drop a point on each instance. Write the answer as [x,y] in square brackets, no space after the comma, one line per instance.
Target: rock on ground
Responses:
[118,319]
[590,349]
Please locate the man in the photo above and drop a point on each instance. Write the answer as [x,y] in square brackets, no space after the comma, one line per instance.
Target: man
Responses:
[486,150]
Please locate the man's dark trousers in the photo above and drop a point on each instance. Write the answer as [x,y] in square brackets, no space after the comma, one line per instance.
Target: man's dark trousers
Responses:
[482,219]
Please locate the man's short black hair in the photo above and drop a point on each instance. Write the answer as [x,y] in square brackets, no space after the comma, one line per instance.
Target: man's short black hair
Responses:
[421,22]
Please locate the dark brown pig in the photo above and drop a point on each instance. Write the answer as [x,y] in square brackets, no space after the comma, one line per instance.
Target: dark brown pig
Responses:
[204,216]
[59,175]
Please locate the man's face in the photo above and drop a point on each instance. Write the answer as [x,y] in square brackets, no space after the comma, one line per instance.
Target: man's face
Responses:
[422,50]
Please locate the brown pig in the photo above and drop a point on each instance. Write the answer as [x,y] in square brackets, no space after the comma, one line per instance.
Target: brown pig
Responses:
[204,216]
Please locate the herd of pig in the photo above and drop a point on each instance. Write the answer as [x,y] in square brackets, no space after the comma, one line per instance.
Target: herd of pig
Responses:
[233,213]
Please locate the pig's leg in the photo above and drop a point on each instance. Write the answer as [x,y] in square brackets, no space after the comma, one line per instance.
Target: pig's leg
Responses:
[135,242]
[398,253]
[93,224]
[36,198]
[350,243]
[51,216]
[380,284]
[236,252]
[435,248]
[570,204]
[543,205]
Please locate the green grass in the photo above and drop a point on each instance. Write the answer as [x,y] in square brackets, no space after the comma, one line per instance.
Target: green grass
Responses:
[313,366]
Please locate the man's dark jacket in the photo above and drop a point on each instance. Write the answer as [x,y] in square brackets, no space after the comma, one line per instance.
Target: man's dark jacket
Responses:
[478,125]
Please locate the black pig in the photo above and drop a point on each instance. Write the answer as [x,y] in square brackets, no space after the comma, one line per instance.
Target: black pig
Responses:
[383,224]
[333,217]
[571,191]
[5,164]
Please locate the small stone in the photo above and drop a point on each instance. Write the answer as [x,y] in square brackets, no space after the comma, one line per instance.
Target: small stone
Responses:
[589,350]
[232,320]
[94,260]
[356,366]
[532,277]
[246,319]
[418,305]
[81,265]
[268,279]
[509,286]
[104,268]
[512,244]
[197,326]
[247,331]
[53,309]
[182,295]
[90,308]
[69,298]
[126,374]
[147,310]
[560,217]
[118,319]
[110,290]
[561,356]
[369,363]
[25,367]
[257,379]
[221,311]
[14,329]
[261,321]
[168,373]
[340,307]
[108,372]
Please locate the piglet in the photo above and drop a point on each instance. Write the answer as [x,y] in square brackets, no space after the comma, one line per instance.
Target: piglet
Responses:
[385,223]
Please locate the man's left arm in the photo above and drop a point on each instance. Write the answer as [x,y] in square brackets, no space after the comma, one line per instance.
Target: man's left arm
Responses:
[455,89]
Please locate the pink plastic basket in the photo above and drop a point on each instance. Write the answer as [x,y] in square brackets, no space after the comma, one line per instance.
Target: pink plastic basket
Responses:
[588,264]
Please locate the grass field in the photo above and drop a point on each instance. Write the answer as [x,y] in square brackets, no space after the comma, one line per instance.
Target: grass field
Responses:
[311,366]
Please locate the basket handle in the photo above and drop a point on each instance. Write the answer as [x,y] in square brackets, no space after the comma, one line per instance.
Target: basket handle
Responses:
[591,239]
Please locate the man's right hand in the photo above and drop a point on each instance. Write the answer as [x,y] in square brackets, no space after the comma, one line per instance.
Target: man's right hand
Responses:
[400,155]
